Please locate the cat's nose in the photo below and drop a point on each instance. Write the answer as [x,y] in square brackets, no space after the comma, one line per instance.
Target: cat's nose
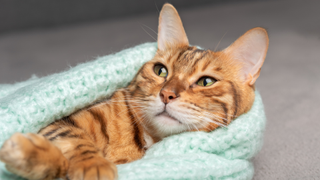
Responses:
[167,96]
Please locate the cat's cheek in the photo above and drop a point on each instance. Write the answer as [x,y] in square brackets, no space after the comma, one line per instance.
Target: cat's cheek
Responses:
[156,106]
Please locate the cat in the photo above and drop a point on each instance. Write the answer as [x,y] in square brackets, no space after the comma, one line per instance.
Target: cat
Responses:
[183,88]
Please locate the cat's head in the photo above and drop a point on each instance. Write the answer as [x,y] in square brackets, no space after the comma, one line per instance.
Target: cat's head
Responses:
[184,88]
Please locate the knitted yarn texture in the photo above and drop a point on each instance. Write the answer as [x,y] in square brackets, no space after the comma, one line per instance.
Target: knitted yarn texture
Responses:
[221,154]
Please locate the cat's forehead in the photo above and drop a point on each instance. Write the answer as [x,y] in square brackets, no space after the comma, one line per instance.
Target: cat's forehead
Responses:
[191,60]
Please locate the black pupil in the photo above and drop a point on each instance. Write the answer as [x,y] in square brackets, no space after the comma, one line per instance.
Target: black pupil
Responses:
[206,81]
[160,70]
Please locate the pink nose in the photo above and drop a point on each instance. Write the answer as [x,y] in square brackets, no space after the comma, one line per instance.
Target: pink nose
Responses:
[167,96]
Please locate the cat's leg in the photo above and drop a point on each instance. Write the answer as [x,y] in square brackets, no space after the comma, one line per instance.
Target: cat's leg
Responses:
[86,161]
[33,157]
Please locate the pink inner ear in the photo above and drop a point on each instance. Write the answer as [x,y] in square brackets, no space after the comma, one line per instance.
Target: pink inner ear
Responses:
[171,32]
[250,49]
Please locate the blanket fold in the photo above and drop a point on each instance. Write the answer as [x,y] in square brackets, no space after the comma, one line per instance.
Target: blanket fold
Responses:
[220,154]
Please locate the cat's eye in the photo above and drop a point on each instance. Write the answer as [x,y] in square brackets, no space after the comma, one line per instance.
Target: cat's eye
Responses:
[206,81]
[160,70]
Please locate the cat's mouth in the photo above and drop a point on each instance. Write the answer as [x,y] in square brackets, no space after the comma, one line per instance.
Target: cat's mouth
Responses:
[168,117]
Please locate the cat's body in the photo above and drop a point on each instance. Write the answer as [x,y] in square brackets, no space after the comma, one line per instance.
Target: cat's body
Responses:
[181,89]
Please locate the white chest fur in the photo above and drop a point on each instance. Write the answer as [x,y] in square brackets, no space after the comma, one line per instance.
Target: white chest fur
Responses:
[148,139]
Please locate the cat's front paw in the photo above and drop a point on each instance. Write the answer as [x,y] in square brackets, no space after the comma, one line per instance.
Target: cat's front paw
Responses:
[33,157]
[92,168]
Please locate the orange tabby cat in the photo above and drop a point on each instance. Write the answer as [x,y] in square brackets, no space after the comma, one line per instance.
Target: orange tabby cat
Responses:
[181,89]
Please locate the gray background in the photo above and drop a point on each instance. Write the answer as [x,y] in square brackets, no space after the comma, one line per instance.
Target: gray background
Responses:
[45,37]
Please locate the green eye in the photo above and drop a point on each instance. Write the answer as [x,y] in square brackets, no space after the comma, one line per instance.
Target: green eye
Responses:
[160,70]
[206,81]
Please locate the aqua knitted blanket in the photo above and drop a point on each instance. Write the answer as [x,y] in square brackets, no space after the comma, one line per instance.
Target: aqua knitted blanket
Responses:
[221,154]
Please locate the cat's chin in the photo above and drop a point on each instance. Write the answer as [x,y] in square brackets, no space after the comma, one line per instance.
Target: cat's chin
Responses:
[166,119]
[167,125]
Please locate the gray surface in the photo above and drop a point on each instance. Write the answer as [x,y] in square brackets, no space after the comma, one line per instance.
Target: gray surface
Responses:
[289,81]
[20,14]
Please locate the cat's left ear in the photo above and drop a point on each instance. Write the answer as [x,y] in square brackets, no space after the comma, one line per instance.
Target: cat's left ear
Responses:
[171,33]
[250,50]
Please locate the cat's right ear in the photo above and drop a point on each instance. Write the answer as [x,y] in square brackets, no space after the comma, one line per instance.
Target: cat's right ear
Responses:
[170,32]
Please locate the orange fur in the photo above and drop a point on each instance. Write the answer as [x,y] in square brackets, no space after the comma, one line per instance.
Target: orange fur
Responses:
[88,143]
